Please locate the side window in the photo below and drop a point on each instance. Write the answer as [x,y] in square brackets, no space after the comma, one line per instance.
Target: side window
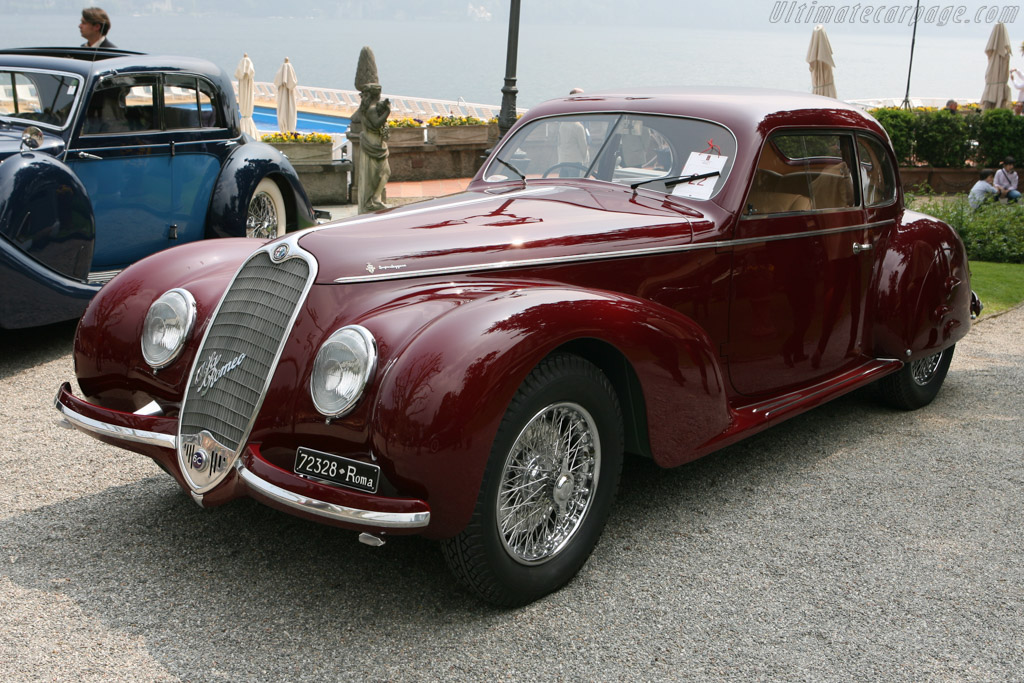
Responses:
[803,172]
[189,102]
[209,106]
[181,102]
[876,174]
[122,104]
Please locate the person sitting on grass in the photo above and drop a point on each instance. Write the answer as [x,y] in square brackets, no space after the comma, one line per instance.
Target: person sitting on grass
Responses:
[984,189]
[1006,179]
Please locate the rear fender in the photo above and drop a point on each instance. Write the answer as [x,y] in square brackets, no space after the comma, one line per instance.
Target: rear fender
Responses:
[242,172]
[443,395]
[923,299]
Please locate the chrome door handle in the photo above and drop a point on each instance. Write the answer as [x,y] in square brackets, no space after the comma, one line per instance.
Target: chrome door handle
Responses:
[86,155]
[867,246]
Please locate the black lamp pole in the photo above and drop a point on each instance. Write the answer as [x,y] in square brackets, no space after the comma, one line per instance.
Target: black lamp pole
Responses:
[913,39]
[507,117]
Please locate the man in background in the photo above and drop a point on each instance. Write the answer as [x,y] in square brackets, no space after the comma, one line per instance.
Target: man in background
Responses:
[94,27]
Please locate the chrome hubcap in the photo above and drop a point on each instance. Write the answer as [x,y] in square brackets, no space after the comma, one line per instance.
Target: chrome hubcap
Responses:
[923,370]
[548,483]
[262,219]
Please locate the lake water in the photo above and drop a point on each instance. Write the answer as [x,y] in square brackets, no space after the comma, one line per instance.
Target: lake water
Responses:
[452,60]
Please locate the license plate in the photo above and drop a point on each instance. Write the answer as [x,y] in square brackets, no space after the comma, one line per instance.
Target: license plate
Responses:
[357,475]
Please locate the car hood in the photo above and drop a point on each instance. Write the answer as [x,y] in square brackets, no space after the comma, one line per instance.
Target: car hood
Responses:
[480,231]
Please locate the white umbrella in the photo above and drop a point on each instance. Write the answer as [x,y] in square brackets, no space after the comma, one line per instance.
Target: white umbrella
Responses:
[285,81]
[245,74]
[997,91]
[819,56]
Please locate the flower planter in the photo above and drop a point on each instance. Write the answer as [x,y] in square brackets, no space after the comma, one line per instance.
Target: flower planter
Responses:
[457,135]
[407,137]
[304,151]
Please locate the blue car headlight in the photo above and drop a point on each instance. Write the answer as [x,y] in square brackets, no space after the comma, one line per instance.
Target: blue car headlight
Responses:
[167,326]
[343,367]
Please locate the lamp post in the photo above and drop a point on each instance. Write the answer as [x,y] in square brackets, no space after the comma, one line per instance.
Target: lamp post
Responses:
[507,117]
[913,39]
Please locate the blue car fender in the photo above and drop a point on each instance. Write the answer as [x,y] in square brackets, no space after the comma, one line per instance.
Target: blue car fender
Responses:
[45,212]
[245,167]
[444,392]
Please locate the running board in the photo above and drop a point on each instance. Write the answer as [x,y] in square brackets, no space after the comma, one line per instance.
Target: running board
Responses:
[751,418]
[102,277]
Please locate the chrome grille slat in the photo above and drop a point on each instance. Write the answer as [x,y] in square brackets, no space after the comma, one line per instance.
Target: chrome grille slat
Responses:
[238,357]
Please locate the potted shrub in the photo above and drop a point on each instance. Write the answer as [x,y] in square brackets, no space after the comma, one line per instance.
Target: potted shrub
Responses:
[299,147]
[406,132]
[456,130]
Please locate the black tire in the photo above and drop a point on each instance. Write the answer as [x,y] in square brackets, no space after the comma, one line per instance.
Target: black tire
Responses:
[918,383]
[564,395]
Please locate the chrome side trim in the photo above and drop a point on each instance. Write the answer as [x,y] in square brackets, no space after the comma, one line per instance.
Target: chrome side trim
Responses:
[102,277]
[391,520]
[88,424]
[602,256]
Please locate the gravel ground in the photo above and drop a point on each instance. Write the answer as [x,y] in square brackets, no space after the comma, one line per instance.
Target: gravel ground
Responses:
[852,542]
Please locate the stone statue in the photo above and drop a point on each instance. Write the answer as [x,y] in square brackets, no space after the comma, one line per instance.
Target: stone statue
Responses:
[370,122]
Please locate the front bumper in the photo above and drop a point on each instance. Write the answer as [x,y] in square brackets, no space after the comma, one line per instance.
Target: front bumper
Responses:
[154,435]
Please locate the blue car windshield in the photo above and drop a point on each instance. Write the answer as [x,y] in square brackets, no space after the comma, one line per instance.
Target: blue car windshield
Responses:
[686,157]
[38,97]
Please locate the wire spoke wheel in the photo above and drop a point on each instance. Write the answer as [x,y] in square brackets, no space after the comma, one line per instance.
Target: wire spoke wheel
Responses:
[548,487]
[548,483]
[923,370]
[265,217]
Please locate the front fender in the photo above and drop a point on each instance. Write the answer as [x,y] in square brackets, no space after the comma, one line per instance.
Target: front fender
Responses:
[45,211]
[923,296]
[247,165]
[445,392]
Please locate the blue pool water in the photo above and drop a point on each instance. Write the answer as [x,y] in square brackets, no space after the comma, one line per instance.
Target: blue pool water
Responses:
[266,121]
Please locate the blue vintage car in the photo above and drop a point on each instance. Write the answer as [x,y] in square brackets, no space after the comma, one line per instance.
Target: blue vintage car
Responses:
[107,156]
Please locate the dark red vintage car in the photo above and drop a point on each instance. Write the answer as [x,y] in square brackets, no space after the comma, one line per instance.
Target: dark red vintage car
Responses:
[655,273]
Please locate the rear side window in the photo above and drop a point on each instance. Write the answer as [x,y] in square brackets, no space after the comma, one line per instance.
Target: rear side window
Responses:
[877,177]
[803,172]
[189,102]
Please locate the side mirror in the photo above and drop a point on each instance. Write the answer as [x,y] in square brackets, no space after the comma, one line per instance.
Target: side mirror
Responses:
[32,138]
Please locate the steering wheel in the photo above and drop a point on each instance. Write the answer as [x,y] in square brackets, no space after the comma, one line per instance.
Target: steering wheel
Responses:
[576,166]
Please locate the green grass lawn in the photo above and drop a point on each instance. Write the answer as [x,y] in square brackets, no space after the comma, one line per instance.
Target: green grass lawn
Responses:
[999,285]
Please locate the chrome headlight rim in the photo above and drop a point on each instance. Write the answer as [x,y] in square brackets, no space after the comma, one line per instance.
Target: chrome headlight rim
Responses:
[369,349]
[188,313]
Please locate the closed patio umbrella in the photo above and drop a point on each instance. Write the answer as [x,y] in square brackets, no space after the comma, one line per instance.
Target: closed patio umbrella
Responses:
[997,90]
[285,81]
[245,74]
[819,57]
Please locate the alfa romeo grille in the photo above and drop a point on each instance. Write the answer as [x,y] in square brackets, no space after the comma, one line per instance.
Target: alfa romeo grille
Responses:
[236,361]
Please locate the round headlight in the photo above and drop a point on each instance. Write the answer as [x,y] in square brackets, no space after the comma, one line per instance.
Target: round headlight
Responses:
[342,368]
[167,327]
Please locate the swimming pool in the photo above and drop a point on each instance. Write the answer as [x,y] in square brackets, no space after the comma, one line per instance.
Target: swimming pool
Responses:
[266,122]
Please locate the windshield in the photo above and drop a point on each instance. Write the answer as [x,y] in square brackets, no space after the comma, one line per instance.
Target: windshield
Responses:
[621,148]
[38,97]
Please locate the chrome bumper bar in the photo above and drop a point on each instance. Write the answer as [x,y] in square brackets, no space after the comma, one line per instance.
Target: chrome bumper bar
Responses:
[311,506]
[342,513]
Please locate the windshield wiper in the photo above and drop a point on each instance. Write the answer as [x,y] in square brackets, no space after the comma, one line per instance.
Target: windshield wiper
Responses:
[677,180]
[511,168]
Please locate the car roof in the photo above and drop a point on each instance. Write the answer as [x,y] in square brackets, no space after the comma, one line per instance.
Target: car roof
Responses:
[100,61]
[741,109]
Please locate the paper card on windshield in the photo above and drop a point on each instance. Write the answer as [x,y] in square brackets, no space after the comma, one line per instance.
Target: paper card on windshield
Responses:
[698,163]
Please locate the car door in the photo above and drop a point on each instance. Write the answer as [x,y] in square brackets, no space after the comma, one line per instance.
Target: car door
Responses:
[124,161]
[802,266]
[195,123]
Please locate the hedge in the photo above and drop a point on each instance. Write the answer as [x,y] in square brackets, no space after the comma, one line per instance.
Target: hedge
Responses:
[946,140]
[993,232]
